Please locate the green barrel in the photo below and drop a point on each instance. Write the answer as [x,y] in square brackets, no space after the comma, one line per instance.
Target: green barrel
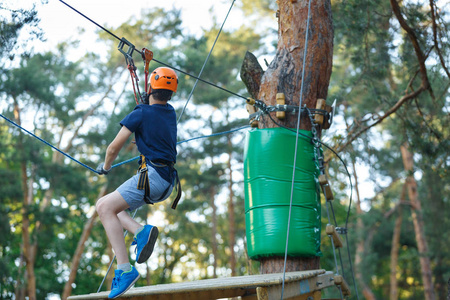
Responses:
[268,170]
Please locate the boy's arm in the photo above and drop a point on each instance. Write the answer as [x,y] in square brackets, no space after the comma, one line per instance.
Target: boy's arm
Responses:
[114,148]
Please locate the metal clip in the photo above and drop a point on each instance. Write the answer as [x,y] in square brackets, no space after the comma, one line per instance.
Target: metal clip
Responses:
[129,53]
[341,230]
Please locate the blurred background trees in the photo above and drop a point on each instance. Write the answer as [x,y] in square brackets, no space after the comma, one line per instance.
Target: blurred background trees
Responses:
[390,80]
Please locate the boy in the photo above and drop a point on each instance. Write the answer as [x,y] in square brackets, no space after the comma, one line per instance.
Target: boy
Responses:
[155,127]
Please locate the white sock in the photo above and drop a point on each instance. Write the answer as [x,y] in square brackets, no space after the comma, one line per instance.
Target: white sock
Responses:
[124,267]
[139,230]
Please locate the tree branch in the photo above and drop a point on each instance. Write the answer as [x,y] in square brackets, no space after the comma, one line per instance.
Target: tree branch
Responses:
[412,36]
[425,85]
[392,110]
[251,74]
[436,44]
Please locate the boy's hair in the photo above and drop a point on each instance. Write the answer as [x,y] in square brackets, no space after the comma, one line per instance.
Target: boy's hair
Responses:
[160,94]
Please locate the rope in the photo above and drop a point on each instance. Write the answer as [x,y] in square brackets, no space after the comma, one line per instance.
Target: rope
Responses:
[350,197]
[296,148]
[121,163]
[137,157]
[188,140]
[206,60]
[48,144]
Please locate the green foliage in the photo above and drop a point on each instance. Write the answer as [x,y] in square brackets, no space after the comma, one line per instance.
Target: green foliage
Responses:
[374,64]
[13,22]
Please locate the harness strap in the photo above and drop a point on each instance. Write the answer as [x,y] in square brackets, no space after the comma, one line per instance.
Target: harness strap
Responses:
[178,187]
[143,183]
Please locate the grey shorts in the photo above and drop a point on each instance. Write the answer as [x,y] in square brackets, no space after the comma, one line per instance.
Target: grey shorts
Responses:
[135,198]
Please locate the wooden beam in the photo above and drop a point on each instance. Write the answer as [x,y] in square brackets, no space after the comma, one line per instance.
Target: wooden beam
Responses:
[340,281]
[331,231]
[297,284]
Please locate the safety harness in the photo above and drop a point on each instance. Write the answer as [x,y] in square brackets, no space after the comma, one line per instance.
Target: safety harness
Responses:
[143,183]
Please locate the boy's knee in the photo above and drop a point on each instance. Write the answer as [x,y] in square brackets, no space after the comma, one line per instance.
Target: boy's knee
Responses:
[100,207]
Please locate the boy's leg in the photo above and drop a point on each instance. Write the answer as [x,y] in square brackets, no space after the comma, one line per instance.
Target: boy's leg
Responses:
[128,222]
[145,239]
[108,207]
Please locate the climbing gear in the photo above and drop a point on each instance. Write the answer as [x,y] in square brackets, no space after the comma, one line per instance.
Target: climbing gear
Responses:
[164,78]
[122,282]
[143,183]
[145,242]
[131,67]
[160,62]
[147,56]
[101,170]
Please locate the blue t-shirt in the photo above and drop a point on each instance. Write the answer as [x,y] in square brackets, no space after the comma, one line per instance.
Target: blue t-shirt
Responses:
[155,130]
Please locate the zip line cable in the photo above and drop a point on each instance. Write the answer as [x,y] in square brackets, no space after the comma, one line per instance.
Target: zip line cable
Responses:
[296,148]
[206,60]
[93,22]
[48,144]
[160,62]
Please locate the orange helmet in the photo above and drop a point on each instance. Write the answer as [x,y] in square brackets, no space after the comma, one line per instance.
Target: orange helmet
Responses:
[164,78]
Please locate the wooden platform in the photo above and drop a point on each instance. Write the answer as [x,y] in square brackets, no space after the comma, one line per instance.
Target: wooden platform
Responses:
[298,285]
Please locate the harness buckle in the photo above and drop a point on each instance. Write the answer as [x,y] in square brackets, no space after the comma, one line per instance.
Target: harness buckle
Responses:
[142,170]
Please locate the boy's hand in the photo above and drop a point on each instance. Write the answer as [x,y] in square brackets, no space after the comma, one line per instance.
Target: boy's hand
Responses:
[101,170]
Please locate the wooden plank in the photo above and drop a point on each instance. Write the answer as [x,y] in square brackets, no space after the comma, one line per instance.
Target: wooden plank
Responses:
[210,288]
[302,289]
[262,293]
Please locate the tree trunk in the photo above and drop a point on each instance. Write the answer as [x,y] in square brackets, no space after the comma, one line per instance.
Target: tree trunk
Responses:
[284,75]
[19,290]
[360,246]
[212,194]
[231,218]
[80,248]
[27,187]
[416,214]
[393,294]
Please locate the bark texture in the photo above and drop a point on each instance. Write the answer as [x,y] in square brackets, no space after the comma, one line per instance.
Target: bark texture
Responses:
[416,214]
[284,74]
[67,291]
[361,244]
[251,74]
[393,293]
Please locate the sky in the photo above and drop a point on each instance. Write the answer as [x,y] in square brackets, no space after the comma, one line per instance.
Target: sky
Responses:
[60,23]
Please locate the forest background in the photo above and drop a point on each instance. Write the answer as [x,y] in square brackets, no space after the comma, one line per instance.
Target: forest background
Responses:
[391,128]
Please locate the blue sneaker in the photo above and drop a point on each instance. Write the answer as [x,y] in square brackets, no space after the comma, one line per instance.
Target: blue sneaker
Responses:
[123,281]
[145,241]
